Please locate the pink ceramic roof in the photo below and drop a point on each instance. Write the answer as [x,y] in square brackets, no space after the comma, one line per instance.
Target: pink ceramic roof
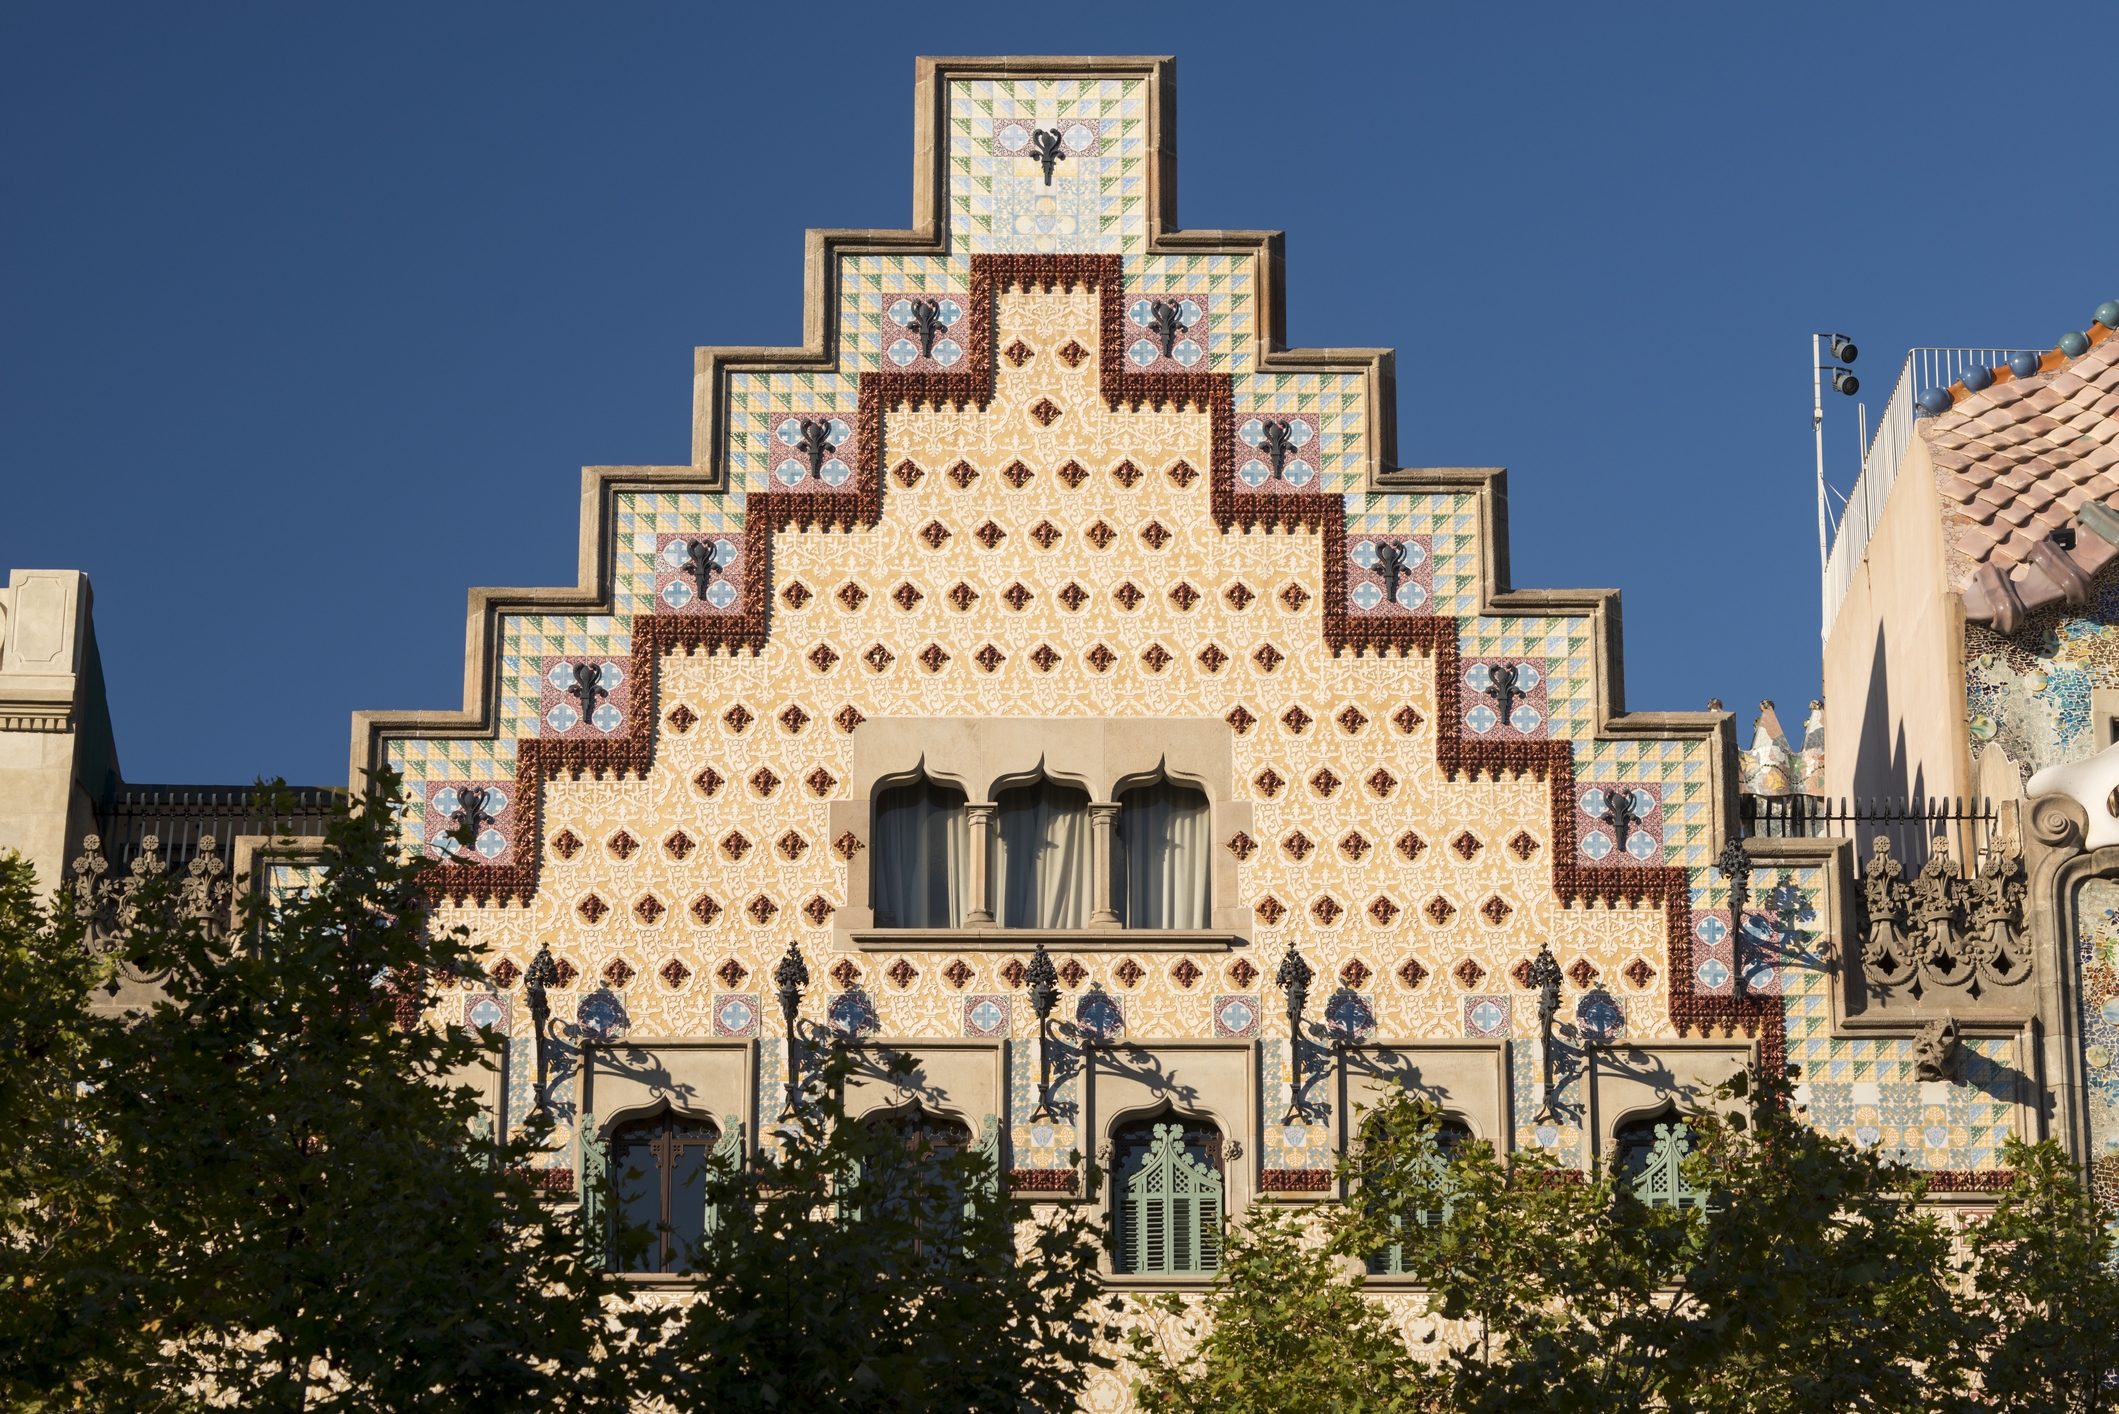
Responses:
[2015,463]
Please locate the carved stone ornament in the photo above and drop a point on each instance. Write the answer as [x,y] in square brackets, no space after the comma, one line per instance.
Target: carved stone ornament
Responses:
[112,907]
[1942,930]
[1937,1050]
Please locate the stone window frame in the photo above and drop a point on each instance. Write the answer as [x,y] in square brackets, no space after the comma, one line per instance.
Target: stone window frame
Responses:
[1116,1092]
[1617,1092]
[983,756]
[641,1098]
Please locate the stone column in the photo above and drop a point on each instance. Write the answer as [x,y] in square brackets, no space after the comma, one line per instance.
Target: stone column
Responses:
[978,888]
[1103,820]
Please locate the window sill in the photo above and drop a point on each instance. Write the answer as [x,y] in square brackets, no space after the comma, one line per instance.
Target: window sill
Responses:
[1057,939]
[1145,1281]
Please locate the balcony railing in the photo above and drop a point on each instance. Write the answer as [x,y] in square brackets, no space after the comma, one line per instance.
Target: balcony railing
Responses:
[1924,369]
[180,816]
[1970,825]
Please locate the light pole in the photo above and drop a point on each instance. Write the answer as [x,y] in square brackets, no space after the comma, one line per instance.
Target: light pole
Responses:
[1294,978]
[1843,381]
[1044,995]
[790,976]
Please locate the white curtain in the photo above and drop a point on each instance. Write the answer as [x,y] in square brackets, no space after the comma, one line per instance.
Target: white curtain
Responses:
[1163,853]
[917,878]
[1041,857]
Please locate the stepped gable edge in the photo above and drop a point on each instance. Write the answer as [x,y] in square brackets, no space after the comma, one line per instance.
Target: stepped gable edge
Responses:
[768,511]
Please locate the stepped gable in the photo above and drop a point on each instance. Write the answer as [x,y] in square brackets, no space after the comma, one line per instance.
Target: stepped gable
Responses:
[794,582]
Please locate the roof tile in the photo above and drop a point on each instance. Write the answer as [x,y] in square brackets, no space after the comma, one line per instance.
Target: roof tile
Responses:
[1959,490]
[2046,398]
[2017,512]
[1974,544]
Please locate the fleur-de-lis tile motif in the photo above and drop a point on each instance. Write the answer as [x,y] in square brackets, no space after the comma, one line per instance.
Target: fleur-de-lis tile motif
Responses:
[1407,719]
[1383,908]
[1166,322]
[1412,974]
[925,323]
[1016,597]
[813,441]
[1049,149]
[1239,719]
[1273,440]
[731,973]
[1213,658]
[706,908]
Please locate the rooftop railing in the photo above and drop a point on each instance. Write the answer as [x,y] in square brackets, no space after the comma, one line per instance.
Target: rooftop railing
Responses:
[178,817]
[1924,369]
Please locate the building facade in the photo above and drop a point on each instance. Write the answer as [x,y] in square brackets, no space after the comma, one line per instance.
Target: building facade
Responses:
[1045,606]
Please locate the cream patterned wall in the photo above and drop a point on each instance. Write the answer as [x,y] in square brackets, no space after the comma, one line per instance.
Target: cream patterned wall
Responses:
[1029,546]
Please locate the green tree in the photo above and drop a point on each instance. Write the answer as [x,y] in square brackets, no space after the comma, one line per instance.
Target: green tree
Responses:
[56,1198]
[294,1209]
[848,1271]
[2042,1266]
[1286,1327]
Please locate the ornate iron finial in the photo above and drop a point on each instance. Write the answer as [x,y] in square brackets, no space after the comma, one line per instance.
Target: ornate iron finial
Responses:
[790,976]
[926,322]
[588,688]
[1294,978]
[1042,978]
[1545,976]
[699,562]
[1620,810]
[1390,563]
[543,973]
[1501,682]
[1275,440]
[815,442]
[474,811]
[1734,863]
[1166,322]
[1047,143]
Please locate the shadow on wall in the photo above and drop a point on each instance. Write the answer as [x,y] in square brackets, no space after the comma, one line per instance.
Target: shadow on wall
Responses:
[1880,766]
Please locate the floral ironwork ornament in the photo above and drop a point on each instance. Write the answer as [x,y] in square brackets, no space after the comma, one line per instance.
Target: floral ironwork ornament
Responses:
[790,976]
[1294,977]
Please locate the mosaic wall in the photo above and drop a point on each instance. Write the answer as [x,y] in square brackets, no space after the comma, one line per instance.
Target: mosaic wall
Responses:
[1083,496]
[2097,961]
[2030,691]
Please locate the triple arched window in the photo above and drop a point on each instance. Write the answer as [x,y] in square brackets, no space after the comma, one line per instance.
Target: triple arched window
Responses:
[1168,1197]
[1047,865]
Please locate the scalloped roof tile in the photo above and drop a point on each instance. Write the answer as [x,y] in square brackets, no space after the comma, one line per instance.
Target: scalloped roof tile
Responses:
[2017,461]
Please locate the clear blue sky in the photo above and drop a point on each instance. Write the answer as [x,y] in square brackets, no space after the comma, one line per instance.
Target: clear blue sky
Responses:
[310,314]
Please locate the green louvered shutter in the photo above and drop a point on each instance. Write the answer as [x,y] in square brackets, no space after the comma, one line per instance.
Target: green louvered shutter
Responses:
[1172,1219]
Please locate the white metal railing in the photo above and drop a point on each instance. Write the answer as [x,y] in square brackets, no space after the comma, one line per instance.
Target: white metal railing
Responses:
[1924,369]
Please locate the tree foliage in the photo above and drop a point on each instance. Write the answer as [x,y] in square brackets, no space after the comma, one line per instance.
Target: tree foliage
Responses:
[851,1272]
[288,1204]
[1816,1275]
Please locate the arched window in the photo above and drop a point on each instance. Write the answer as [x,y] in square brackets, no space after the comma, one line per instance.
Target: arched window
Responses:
[1650,1155]
[1163,854]
[1168,1197]
[1041,873]
[919,862]
[658,1177]
[913,1177]
[1434,1167]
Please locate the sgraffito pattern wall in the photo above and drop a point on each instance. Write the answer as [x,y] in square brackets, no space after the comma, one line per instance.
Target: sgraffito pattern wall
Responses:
[1055,472]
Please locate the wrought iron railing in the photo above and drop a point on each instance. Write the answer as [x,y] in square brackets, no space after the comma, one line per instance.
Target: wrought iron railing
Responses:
[180,816]
[1970,825]
[1924,369]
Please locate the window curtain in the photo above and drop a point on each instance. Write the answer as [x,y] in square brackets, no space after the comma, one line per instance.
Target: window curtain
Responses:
[1163,853]
[918,877]
[1041,857]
